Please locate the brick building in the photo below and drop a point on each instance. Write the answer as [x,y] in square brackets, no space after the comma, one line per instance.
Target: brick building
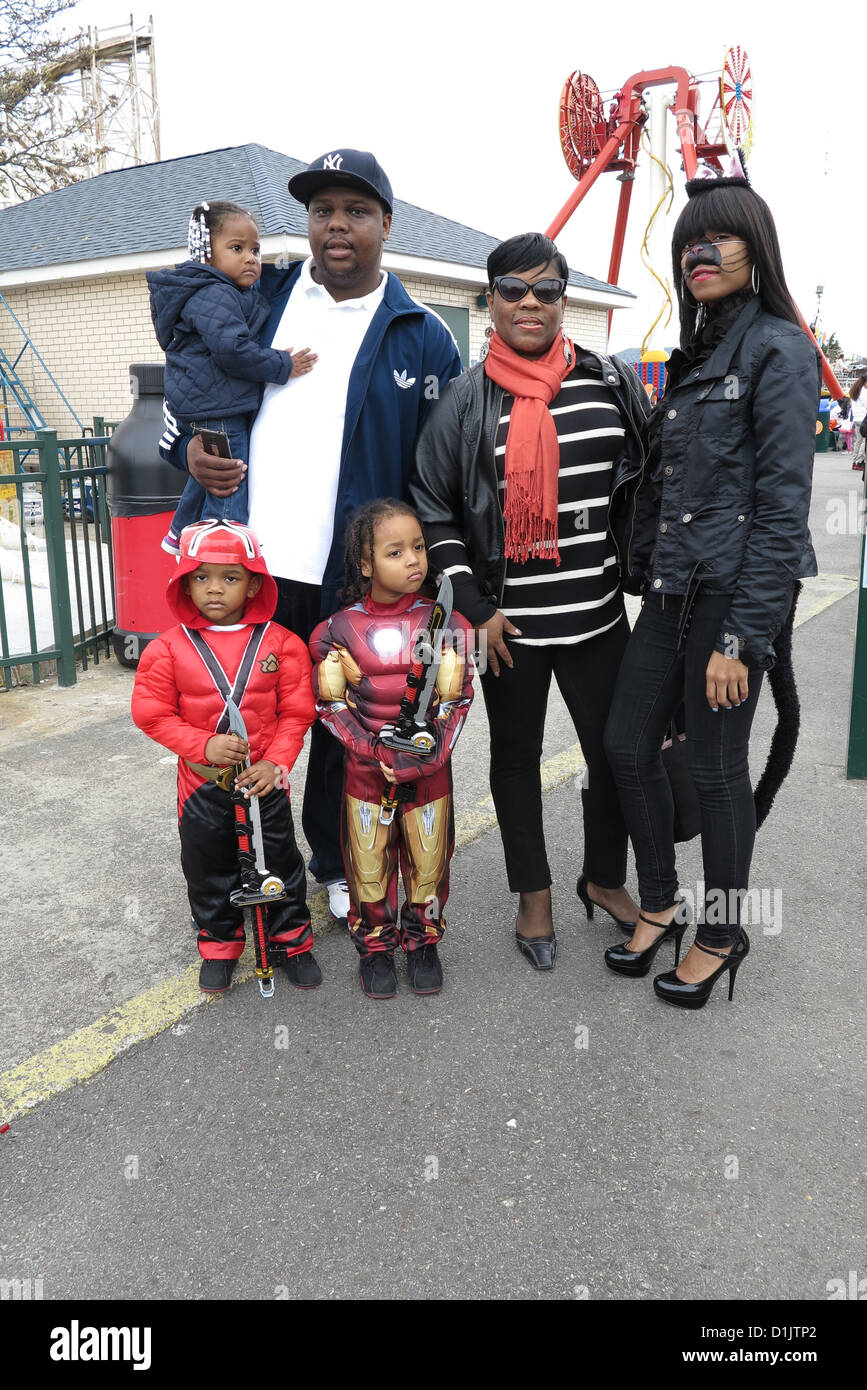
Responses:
[74,261]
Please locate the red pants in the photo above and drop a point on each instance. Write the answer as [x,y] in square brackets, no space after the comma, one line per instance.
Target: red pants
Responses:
[419,840]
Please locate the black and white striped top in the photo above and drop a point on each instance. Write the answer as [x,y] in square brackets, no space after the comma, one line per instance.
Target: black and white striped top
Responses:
[581,597]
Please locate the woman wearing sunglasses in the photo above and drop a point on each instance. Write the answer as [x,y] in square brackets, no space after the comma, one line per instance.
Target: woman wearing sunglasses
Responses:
[520,479]
[720,539]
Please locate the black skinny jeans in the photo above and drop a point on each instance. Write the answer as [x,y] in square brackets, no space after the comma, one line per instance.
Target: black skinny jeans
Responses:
[655,678]
[516,701]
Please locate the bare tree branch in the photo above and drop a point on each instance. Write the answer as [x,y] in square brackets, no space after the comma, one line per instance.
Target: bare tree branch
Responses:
[40,143]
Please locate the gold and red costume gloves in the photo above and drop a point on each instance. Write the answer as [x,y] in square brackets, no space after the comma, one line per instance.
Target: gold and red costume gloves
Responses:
[362,656]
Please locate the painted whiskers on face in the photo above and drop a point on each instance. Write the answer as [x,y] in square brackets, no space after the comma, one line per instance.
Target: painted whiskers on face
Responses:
[715,266]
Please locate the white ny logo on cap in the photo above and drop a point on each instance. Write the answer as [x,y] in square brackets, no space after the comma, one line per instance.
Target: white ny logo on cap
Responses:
[332,161]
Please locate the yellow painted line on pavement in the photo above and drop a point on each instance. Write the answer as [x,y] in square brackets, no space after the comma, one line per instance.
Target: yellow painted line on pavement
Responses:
[820,593]
[471,825]
[87,1051]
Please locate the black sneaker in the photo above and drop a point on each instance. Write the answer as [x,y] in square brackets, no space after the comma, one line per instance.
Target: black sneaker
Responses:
[215,976]
[303,970]
[378,975]
[425,970]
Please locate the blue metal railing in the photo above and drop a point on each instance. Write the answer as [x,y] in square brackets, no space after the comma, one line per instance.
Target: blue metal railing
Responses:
[12,388]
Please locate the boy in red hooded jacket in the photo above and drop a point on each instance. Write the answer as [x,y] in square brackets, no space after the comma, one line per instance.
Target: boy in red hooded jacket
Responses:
[226,645]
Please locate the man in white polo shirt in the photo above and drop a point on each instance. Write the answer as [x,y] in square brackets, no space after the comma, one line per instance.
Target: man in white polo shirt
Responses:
[328,441]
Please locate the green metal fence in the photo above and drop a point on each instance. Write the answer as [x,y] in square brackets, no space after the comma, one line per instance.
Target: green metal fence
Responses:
[59,606]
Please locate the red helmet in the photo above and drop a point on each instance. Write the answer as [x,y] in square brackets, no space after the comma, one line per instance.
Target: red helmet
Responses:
[220,543]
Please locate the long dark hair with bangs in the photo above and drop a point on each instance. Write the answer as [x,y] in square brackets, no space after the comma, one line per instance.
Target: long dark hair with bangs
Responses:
[741,212]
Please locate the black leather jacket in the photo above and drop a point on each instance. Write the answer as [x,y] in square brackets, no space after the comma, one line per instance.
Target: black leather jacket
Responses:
[738,439]
[453,485]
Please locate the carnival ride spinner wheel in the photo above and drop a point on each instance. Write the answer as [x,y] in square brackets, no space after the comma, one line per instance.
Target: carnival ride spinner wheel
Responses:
[736,101]
[581,112]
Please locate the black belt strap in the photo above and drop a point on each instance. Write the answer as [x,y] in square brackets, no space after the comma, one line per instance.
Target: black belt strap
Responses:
[218,676]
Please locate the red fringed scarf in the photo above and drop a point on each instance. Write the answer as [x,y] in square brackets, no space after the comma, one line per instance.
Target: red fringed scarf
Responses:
[532,450]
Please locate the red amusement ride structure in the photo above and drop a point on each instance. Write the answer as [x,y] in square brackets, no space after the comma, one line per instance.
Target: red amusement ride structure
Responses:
[594,143]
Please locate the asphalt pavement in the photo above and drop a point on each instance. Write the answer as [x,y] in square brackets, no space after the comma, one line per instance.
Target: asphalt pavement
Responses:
[519,1136]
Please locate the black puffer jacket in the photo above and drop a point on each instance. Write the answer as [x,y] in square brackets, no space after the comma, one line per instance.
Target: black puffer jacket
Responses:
[453,486]
[737,446]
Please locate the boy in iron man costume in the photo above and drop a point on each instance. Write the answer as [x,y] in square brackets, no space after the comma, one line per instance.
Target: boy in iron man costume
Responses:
[362,656]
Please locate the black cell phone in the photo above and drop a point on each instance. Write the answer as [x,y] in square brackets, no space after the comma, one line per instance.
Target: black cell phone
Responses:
[217,443]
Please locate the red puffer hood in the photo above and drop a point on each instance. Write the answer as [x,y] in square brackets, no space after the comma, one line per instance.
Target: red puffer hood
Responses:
[220,543]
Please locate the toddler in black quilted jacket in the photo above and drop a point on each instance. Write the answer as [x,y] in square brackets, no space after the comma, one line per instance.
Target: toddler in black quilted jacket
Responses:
[208,315]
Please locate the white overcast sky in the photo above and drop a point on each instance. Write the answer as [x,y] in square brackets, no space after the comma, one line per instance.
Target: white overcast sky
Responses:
[458,100]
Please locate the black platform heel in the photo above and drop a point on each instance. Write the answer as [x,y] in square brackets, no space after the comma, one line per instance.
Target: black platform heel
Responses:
[581,890]
[695,996]
[626,962]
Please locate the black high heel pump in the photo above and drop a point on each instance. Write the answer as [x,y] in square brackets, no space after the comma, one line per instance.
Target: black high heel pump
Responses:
[626,962]
[581,890]
[689,996]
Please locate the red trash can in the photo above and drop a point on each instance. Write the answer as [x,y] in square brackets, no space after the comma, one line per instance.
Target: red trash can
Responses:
[142,492]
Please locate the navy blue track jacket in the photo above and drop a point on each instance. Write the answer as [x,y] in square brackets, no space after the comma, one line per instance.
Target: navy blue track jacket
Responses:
[405,360]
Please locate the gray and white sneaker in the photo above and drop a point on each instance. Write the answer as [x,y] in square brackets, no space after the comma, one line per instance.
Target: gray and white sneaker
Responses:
[338,899]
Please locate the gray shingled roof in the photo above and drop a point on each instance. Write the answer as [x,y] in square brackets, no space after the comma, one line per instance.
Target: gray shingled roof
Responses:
[146,208]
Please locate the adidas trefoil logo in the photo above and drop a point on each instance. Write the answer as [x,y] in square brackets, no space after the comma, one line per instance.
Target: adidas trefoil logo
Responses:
[332,161]
[404,381]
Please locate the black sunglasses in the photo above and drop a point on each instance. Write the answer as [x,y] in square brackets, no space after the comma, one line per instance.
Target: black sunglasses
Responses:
[512,289]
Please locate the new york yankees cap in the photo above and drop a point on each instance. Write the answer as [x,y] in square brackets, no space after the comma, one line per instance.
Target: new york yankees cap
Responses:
[357,168]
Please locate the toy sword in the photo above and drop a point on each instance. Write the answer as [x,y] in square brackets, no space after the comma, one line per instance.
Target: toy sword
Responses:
[410,733]
[257,885]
